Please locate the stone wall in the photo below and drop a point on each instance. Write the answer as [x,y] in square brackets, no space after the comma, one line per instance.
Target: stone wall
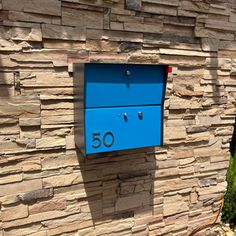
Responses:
[46,186]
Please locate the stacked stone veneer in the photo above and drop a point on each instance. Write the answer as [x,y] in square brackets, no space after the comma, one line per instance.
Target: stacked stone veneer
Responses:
[46,186]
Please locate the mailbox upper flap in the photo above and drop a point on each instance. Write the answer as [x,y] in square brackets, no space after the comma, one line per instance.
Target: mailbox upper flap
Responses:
[114,85]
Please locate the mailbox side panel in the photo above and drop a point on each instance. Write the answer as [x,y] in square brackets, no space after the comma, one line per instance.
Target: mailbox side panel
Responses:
[79,111]
[165,77]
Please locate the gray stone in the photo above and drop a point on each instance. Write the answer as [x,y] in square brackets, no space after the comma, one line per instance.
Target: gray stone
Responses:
[133,5]
[36,194]
[197,128]
[129,47]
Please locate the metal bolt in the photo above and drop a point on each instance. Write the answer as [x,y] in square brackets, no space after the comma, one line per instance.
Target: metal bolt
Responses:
[128,72]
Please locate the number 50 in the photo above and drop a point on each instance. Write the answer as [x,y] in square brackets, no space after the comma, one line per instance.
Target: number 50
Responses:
[98,140]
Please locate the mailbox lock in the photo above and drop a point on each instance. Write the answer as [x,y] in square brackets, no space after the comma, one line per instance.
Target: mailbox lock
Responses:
[140,115]
[128,72]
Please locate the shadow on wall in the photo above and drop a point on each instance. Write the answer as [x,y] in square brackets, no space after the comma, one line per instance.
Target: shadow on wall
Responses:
[117,185]
[7,91]
[6,83]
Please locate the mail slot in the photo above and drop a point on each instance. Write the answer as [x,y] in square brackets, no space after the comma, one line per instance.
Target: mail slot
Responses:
[120,106]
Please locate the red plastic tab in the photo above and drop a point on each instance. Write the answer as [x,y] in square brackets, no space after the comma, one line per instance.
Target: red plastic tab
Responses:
[169,69]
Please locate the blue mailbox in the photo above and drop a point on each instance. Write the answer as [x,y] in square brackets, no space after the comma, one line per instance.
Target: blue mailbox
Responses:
[120,106]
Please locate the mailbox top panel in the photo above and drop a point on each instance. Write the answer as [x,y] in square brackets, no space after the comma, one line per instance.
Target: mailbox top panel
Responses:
[113,85]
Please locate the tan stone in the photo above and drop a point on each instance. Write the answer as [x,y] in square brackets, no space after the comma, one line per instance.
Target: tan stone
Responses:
[181,103]
[182,60]
[9,169]
[44,56]
[66,119]
[20,106]
[103,45]
[232,17]
[175,133]
[28,34]
[9,199]
[167,164]
[33,230]
[220,25]
[58,161]
[200,31]
[29,121]
[174,204]
[42,233]
[63,32]
[198,137]
[55,97]
[187,170]
[32,132]
[184,154]
[134,201]
[10,178]
[6,78]
[163,2]
[6,146]
[219,188]
[178,30]
[193,197]
[174,184]
[195,6]
[147,28]
[24,186]
[82,18]
[114,35]
[160,9]
[63,180]
[186,161]
[143,58]
[117,26]
[51,205]
[36,218]
[13,213]
[45,79]
[210,45]
[50,142]
[49,7]
[6,61]
[29,17]
[215,166]
[183,52]
[31,165]
[76,225]
[167,172]
[227,45]
[58,44]
[70,142]
[7,46]
[223,63]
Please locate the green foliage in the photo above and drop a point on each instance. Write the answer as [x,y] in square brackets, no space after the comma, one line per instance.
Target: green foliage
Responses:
[229,209]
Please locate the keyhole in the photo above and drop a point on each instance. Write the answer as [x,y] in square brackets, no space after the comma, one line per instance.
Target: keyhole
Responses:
[125,116]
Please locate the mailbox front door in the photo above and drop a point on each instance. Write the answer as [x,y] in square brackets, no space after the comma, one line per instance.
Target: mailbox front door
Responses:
[118,128]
